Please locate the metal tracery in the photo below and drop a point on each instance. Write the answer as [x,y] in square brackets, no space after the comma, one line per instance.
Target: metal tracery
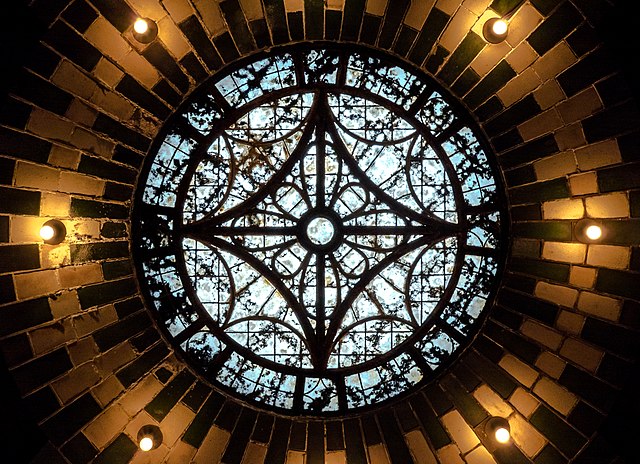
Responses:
[319,230]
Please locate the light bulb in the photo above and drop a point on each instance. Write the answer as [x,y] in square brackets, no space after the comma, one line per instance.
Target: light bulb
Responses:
[593,232]
[47,232]
[141,26]
[500,27]
[495,30]
[502,435]
[146,443]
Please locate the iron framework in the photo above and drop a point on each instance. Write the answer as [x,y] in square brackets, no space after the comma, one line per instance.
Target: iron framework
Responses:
[319,229]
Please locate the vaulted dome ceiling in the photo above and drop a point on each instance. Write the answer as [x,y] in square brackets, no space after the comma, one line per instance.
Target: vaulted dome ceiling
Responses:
[87,360]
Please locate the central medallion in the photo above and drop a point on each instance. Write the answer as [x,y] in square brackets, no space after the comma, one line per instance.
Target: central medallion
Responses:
[318,230]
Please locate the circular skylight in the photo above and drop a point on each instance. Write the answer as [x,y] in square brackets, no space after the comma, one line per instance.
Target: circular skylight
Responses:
[318,230]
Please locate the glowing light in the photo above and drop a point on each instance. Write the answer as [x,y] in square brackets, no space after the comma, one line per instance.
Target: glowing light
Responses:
[47,232]
[141,26]
[502,435]
[495,30]
[500,27]
[146,444]
[593,232]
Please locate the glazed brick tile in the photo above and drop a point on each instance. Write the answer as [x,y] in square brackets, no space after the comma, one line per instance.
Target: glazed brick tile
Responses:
[547,230]
[557,431]
[332,23]
[461,57]
[139,95]
[260,31]
[114,334]
[353,14]
[106,169]
[117,13]
[196,396]
[370,27]
[107,125]
[238,25]
[240,437]
[591,68]
[435,431]
[528,305]
[42,370]
[107,292]
[262,430]
[15,113]
[353,441]
[18,257]
[73,46]
[277,19]
[557,272]
[199,39]
[193,66]
[16,350]
[42,93]
[97,209]
[84,252]
[122,449]
[517,113]
[465,403]
[24,315]
[513,342]
[228,415]
[169,396]
[315,443]
[553,29]
[277,451]
[160,58]
[141,366]
[334,435]
[393,438]
[80,15]
[392,22]
[431,30]
[296,25]
[71,418]
[612,122]
[298,436]
[490,84]
[314,19]
[79,450]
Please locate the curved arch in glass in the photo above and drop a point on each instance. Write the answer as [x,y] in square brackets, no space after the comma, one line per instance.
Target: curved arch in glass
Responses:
[319,230]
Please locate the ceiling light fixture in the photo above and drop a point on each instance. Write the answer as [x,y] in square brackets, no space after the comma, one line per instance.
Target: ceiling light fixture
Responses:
[53,232]
[149,437]
[498,430]
[495,30]
[589,231]
[145,30]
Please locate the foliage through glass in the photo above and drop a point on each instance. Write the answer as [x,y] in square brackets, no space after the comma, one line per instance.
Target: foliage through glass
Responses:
[319,230]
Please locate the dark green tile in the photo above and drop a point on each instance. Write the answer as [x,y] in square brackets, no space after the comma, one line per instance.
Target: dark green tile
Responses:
[24,315]
[314,19]
[169,396]
[558,432]
[262,430]
[620,283]
[85,252]
[501,382]
[392,20]
[120,451]
[490,84]
[196,35]
[549,455]
[558,272]
[435,432]
[528,305]
[315,443]
[201,424]
[353,441]
[97,209]
[465,403]
[106,292]
[461,57]
[353,14]
[79,450]
[513,342]
[238,26]
[591,68]
[240,437]
[298,436]
[141,366]
[138,94]
[431,30]
[553,29]
[196,396]
[64,424]
[517,113]
[611,122]
[547,230]
[277,451]
[588,387]
[394,439]
[16,201]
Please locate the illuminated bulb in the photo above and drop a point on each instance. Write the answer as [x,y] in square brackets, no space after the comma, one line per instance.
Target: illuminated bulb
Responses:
[499,27]
[593,232]
[495,30]
[47,232]
[141,26]
[502,435]
[146,444]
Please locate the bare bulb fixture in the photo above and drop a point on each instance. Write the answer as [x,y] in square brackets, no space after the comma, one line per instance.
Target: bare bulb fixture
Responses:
[589,231]
[144,30]
[495,30]
[593,232]
[149,437]
[498,430]
[53,232]
[502,435]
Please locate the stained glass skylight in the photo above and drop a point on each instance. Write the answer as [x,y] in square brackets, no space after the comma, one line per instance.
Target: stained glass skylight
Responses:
[318,230]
